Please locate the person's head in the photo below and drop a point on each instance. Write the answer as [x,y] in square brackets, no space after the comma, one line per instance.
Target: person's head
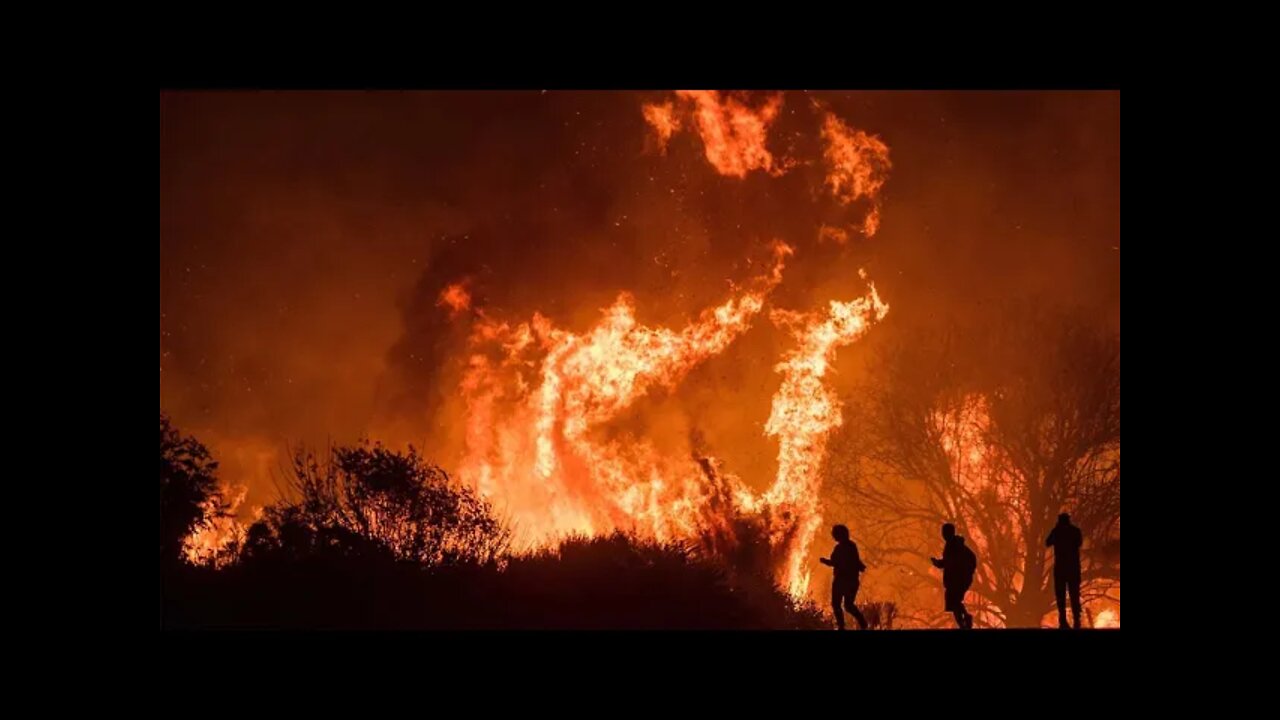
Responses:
[840,533]
[948,531]
[1064,519]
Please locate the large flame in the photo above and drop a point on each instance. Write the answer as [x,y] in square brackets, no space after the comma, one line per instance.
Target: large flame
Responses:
[805,411]
[536,394]
[539,399]
[546,433]
[543,434]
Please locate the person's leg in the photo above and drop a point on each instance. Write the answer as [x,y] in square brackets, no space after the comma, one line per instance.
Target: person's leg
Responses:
[1074,587]
[852,607]
[966,620]
[1060,592]
[956,606]
[835,607]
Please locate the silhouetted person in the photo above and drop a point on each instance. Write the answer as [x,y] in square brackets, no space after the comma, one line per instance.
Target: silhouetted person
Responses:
[958,565]
[844,583]
[1066,539]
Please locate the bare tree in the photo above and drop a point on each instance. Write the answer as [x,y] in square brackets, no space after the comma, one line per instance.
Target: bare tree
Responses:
[996,430]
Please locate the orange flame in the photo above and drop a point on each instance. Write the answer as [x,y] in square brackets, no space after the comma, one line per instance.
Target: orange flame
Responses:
[537,407]
[662,118]
[971,457]
[733,134]
[540,399]
[857,167]
[976,464]
[1107,619]
[455,297]
[805,411]
[543,404]
[204,544]
[532,411]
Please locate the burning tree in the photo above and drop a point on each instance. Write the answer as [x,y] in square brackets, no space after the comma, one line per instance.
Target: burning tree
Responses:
[997,431]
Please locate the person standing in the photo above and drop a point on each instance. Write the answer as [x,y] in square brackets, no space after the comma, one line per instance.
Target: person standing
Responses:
[1066,539]
[958,565]
[844,582]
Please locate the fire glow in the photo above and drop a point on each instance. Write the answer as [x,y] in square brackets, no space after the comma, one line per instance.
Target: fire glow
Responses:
[540,398]
[648,312]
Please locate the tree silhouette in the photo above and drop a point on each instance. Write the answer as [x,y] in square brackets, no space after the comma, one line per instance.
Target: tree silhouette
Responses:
[367,500]
[189,493]
[996,429]
[369,538]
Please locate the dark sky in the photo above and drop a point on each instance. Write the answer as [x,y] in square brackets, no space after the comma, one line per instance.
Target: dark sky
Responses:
[305,238]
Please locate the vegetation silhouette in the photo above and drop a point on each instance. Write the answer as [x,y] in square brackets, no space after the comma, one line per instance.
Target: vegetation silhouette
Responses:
[371,538]
[189,493]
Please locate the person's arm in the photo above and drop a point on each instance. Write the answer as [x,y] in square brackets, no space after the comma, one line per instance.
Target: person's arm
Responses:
[825,561]
[936,562]
[1049,541]
[856,560]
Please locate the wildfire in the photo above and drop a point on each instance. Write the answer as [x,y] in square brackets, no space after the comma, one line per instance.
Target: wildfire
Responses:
[552,417]
[858,165]
[455,297]
[546,429]
[539,399]
[805,411]
[733,134]
[221,530]
[972,460]
[986,473]
[734,138]
[546,433]
[535,394]
[978,466]
[662,118]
